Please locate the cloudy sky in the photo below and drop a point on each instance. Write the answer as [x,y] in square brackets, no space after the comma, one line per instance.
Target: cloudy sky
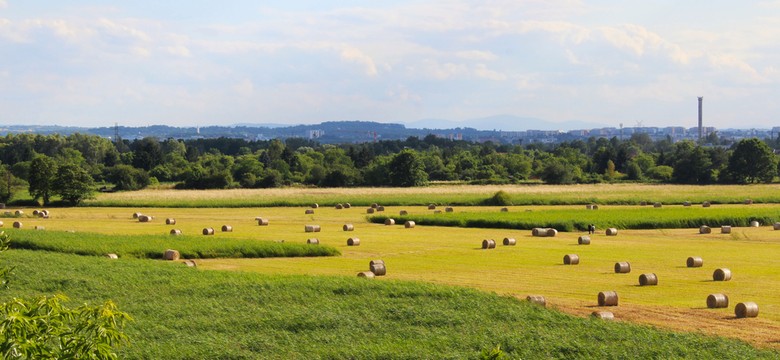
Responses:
[194,62]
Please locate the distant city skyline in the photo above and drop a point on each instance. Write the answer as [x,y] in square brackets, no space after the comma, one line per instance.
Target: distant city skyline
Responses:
[93,63]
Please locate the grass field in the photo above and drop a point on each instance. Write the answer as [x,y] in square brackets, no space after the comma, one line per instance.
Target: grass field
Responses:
[453,256]
[625,194]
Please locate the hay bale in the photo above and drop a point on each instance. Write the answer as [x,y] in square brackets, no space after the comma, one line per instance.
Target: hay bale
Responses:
[643,203]
[339,206]
[136,215]
[602,315]
[366,274]
[721,274]
[262,221]
[608,298]
[571,259]
[112,256]
[353,242]
[746,310]
[715,301]
[17,224]
[389,221]
[431,207]
[18,213]
[347,205]
[503,209]
[378,269]
[171,254]
[175,232]
[35,212]
[725,229]
[170,221]
[623,267]
[552,232]
[208,231]
[686,203]
[449,209]
[589,207]
[694,261]
[488,244]
[372,262]
[44,214]
[1,224]
[748,202]
[536,299]
[776,226]
[309,211]
[612,232]
[409,224]
[190,263]
[538,232]
[403,213]
[510,242]
[755,223]
[144,218]
[348,227]
[39,227]
[374,205]
[704,229]
[313,241]
[648,279]
[227,228]
[315,205]
[657,205]
[311,228]
[583,240]
[370,210]
[380,208]
[706,204]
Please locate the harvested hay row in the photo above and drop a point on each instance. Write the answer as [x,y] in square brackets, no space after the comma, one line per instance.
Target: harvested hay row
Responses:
[608,298]
[583,240]
[755,223]
[17,225]
[366,274]
[612,232]
[348,227]
[389,221]
[175,232]
[171,254]
[746,310]
[313,241]
[488,244]
[227,228]
[409,224]
[602,315]
[571,259]
[370,210]
[722,274]
[403,213]
[309,211]
[704,229]
[170,221]
[694,261]
[725,229]
[353,242]
[649,279]
[311,228]
[261,221]
[189,263]
[537,300]
[208,231]
[144,218]
[112,256]
[378,269]
[623,267]
[510,242]
[715,301]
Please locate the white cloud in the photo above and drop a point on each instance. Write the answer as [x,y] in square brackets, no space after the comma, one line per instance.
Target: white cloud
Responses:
[178,50]
[354,55]
[3,4]
[480,70]
[476,55]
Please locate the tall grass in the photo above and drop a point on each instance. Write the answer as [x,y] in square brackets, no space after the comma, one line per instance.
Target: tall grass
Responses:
[153,246]
[186,313]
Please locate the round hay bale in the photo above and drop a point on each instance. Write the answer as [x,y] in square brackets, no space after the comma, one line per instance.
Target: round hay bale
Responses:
[190,263]
[144,218]
[583,240]
[353,242]
[612,232]
[706,204]
[309,211]
[313,241]
[389,221]
[538,232]
[372,262]
[648,279]
[623,267]
[722,274]
[449,209]
[39,227]
[315,205]
[589,207]
[380,208]
[704,229]
[510,242]
[643,203]
[175,232]
[536,299]
[370,210]
[715,301]
[366,274]
[603,315]
[595,207]
[755,223]
[776,226]
[657,205]
[17,224]
[112,256]
[694,261]
[348,227]
[686,203]
[311,228]
[746,310]
[171,254]
[136,215]
[262,222]
[748,202]
[503,209]
[403,213]
[347,205]
[35,212]
[170,221]
[409,224]
[374,205]
[431,207]
[571,259]
[227,228]
[552,232]
[208,231]
[1,224]
[18,213]
[725,229]
[44,214]
[378,269]
[608,298]
[488,244]
[339,206]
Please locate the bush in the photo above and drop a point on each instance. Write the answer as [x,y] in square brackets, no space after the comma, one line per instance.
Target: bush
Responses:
[500,198]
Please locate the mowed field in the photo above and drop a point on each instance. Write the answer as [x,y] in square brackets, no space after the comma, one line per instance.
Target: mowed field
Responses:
[454,256]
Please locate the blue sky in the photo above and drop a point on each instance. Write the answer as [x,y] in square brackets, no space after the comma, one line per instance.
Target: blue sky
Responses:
[185,63]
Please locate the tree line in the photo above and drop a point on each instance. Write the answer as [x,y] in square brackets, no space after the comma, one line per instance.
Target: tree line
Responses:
[70,166]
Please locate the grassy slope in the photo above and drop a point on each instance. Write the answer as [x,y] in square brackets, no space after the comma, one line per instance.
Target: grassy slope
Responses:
[183,312]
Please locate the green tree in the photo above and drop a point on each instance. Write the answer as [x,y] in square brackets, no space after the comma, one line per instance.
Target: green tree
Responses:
[73,183]
[126,177]
[557,171]
[41,178]
[692,164]
[406,169]
[752,161]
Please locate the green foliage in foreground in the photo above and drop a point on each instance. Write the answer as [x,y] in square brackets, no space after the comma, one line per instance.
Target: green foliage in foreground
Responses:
[569,219]
[182,312]
[153,246]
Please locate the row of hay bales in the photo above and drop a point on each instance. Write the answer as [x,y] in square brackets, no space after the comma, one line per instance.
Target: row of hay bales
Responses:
[491,244]
[726,229]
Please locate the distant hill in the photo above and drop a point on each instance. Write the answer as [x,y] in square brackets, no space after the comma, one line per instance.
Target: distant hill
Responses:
[503,123]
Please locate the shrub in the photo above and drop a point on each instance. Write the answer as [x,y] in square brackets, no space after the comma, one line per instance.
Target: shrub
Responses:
[500,198]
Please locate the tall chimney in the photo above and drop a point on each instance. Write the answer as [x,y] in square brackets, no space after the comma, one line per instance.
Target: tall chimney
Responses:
[701,98]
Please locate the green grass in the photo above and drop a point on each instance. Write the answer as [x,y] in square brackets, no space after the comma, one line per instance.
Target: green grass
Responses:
[573,219]
[185,313]
[153,246]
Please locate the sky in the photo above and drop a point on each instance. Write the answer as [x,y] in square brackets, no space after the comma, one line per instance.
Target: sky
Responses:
[198,63]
